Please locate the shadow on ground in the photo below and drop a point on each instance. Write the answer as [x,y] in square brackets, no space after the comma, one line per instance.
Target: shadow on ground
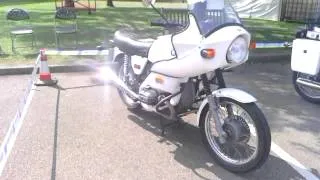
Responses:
[191,153]
[272,85]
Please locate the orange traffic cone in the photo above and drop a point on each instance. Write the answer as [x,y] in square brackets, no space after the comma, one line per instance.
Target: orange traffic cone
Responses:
[45,78]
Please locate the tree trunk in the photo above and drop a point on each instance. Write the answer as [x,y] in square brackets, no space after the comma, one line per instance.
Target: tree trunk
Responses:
[110,3]
[68,3]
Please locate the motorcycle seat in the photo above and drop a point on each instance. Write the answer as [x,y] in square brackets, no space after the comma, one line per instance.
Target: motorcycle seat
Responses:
[129,42]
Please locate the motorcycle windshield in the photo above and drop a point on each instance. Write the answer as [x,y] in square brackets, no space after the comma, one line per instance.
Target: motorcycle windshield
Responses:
[212,14]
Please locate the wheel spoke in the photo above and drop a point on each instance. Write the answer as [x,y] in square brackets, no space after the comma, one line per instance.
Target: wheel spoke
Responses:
[311,92]
[247,149]
[223,148]
[233,151]
[234,146]
[228,150]
[237,111]
[243,112]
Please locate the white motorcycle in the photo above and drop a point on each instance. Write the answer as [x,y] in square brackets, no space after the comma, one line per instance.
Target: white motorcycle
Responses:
[182,73]
[305,63]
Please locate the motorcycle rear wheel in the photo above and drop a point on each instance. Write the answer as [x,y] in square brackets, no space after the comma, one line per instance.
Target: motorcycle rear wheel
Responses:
[307,93]
[126,99]
[223,154]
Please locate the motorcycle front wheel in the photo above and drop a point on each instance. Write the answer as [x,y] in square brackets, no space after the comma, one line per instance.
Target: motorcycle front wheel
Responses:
[310,94]
[248,140]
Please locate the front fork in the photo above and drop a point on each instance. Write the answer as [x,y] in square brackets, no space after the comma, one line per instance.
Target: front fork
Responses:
[214,103]
[214,110]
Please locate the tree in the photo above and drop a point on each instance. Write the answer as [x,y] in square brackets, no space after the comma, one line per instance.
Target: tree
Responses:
[68,3]
[110,3]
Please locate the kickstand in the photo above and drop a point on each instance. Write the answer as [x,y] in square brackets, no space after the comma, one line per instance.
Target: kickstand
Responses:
[179,122]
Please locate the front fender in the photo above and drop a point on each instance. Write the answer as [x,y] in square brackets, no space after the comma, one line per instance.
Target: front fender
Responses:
[235,94]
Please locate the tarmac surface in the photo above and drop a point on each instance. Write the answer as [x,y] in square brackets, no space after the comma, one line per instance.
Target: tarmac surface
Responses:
[80,130]
[12,89]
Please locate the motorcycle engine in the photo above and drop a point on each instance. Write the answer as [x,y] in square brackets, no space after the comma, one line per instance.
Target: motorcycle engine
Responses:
[148,96]
[187,97]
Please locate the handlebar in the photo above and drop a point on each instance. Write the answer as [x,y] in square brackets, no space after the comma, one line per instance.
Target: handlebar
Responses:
[162,23]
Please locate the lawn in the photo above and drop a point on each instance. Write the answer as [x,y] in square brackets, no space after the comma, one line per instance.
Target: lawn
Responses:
[100,26]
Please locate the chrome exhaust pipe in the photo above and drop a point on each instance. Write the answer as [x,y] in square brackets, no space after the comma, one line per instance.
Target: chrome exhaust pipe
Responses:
[308,83]
[108,76]
[120,84]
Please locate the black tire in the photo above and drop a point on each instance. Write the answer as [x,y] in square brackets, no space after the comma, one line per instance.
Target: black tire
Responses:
[132,107]
[263,132]
[300,92]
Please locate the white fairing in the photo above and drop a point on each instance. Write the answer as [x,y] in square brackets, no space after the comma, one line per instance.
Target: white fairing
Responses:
[190,62]
[169,84]
[235,94]
[188,39]
[305,57]
[222,39]
[161,49]
[138,64]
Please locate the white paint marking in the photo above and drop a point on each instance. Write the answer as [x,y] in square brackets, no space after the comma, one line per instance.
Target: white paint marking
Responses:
[13,132]
[302,170]
[295,164]
[17,121]
[78,52]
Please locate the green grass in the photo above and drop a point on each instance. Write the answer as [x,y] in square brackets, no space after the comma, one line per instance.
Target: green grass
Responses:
[265,30]
[101,25]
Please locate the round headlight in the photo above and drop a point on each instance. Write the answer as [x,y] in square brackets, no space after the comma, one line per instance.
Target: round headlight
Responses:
[238,51]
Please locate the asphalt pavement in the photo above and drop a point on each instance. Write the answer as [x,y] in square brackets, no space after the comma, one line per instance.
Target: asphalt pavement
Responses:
[12,89]
[79,130]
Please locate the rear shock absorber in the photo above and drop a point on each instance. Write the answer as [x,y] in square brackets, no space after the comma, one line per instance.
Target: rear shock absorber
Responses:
[126,60]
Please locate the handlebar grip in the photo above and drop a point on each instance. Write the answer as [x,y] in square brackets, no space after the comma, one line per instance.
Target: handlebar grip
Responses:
[157,22]
[162,23]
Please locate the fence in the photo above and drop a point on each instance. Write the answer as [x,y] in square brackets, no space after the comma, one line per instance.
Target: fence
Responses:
[300,10]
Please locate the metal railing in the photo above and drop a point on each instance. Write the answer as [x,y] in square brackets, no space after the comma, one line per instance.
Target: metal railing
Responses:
[300,10]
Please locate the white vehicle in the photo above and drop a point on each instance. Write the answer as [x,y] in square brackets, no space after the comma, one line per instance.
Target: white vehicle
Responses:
[182,73]
[305,63]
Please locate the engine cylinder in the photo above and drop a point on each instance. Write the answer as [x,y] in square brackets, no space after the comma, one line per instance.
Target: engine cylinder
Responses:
[149,96]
